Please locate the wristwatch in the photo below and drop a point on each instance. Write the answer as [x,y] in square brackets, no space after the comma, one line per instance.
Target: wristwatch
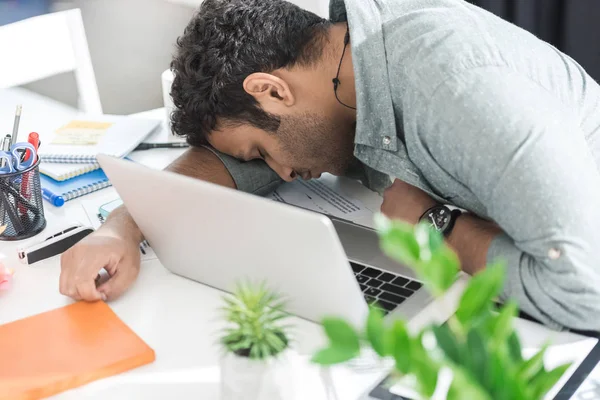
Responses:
[441,218]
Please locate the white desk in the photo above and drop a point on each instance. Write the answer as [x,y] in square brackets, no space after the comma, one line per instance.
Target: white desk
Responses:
[178,318]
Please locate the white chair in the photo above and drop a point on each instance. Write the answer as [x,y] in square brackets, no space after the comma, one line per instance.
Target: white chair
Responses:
[45,46]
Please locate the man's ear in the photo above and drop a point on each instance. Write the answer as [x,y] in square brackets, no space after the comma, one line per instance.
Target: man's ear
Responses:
[269,90]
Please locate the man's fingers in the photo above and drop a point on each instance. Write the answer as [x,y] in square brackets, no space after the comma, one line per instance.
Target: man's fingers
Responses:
[118,283]
[80,267]
[73,285]
[87,291]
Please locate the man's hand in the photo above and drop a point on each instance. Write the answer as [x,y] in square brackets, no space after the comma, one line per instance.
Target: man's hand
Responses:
[405,202]
[81,264]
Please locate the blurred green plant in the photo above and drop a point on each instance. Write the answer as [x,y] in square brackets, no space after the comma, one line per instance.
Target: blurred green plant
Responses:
[478,344]
[255,317]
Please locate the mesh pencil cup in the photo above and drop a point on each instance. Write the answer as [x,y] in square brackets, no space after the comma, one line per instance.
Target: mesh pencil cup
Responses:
[21,208]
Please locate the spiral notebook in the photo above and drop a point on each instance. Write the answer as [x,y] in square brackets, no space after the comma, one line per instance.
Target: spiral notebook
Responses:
[61,172]
[78,186]
[79,141]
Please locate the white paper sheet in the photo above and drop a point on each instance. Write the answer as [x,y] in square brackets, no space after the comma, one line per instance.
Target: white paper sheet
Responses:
[339,197]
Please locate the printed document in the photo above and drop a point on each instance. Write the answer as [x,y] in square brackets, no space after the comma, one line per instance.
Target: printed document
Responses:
[339,197]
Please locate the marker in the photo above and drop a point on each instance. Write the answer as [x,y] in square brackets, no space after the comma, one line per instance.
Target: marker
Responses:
[55,200]
[34,139]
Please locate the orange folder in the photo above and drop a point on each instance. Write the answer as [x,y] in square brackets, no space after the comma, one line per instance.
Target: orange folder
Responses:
[48,353]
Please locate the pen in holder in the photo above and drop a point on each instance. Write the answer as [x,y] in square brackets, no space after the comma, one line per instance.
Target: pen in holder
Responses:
[21,207]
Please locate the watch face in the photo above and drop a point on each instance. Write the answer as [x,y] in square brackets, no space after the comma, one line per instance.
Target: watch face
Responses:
[439,218]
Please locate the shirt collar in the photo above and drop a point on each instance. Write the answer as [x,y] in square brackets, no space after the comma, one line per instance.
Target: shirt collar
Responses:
[375,120]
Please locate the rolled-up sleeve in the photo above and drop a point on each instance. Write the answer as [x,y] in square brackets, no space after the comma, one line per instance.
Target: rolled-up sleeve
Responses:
[251,176]
[522,153]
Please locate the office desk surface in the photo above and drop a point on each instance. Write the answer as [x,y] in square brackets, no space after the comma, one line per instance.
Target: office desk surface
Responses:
[177,317]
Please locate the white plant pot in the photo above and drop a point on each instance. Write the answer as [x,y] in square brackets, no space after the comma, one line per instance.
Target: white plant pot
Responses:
[246,379]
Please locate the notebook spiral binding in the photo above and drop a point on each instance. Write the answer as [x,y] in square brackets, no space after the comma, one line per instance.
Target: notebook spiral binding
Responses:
[85,190]
[68,159]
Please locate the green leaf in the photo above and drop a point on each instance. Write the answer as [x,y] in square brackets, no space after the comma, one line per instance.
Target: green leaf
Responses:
[400,344]
[503,324]
[482,288]
[430,241]
[495,379]
[341,334]
[533,366]
[463,387]
[244,344]
[545,382]
[448,343]
[477,356]
[441,271]
[426,372]
[423,233]
[333,355]
[375,331]
[510,386]
[514,347]
[399,243]
[436,240]
[254,353]
[275,342]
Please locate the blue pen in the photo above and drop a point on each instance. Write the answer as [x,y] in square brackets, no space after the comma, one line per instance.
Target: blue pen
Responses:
[54,199]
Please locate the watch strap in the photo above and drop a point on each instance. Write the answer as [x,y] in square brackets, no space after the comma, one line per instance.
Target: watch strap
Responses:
[454,214]
[453,217]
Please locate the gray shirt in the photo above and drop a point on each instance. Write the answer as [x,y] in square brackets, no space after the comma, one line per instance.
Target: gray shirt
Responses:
[482,115]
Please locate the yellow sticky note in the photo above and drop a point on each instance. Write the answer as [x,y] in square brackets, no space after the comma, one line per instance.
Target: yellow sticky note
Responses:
[86,125]
[81,133]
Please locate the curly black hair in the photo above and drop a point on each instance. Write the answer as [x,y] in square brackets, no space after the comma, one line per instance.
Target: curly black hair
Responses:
[226,41]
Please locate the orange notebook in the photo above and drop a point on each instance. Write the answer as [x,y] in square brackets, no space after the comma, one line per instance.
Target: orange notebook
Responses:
[65,348]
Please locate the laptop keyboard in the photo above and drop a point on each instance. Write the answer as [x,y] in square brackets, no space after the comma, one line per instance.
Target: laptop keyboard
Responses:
[384,290]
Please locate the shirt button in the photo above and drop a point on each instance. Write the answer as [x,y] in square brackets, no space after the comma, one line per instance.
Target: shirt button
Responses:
[554,254]
[387,140]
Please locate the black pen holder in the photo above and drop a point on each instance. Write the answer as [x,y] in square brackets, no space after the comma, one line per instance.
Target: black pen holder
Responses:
[21,208]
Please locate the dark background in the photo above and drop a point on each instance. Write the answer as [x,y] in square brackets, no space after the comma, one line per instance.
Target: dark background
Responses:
[573,26]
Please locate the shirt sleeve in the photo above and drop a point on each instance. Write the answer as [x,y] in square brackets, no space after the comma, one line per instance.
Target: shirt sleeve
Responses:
[520,151]
[251,176]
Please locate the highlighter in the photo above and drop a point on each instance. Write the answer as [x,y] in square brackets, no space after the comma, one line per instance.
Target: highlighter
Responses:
[54,199]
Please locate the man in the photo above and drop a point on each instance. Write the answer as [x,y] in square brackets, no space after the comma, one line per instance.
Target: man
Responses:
[448,102]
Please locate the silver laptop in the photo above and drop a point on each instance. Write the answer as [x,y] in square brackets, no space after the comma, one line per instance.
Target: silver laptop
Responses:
[219,236]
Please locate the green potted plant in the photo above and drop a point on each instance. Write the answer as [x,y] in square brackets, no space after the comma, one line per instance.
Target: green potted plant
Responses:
[475,355]
[257,359]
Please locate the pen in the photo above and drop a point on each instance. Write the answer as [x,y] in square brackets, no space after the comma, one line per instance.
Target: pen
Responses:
[54,199]
[5,146]
[176,145]
[16,124]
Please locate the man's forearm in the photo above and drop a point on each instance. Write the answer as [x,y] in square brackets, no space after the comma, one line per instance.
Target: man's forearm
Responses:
[199,163]
[471,239]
